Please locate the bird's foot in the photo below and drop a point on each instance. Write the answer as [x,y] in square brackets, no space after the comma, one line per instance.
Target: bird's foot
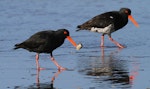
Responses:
[39,68]
[62,68]
[120,46]
[102,46]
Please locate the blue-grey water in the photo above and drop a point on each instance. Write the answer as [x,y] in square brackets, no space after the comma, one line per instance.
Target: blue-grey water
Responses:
[90,68]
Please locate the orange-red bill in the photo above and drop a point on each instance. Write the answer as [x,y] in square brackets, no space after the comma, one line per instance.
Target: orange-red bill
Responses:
[72,41]
[133,21]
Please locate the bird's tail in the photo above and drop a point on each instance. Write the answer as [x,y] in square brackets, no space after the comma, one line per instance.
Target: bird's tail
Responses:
[17,46]
[78,28]
[83,27]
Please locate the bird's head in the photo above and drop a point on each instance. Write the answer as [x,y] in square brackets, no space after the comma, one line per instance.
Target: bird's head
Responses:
[66,33]
[128,12]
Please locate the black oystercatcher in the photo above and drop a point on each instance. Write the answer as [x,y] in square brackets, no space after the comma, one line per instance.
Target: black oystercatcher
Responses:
[46,42]
[107,23]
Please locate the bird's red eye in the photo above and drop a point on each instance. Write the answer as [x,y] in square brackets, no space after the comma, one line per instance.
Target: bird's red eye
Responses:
[65,32]
[126,12]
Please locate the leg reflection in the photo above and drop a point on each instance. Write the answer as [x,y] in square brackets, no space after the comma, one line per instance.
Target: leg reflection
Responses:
[134,71]
[55,75]
[47,86]
[113,53]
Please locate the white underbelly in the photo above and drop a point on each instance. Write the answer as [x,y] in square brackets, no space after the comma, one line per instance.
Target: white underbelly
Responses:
[106,30]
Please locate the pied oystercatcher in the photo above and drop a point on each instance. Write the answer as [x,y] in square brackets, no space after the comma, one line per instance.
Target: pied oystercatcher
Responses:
[107,23]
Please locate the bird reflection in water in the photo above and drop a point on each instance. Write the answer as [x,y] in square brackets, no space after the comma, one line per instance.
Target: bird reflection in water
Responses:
[38,85]
[117,68]
[107,67]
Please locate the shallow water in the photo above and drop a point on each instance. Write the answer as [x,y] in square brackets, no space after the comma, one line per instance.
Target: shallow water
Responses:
[90,68]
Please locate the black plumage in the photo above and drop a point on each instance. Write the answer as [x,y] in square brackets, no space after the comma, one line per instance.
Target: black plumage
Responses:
[46,42]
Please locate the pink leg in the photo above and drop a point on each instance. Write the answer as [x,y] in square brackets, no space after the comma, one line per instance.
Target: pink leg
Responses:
[116,43]
[102,41]
[37,78]
[37,62]
[56,63]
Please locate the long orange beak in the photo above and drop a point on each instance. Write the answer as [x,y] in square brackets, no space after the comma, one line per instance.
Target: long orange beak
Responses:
[72,41]
[133,21]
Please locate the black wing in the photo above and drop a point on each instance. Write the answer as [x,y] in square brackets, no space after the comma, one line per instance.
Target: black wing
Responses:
[100,21]
[37,41]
